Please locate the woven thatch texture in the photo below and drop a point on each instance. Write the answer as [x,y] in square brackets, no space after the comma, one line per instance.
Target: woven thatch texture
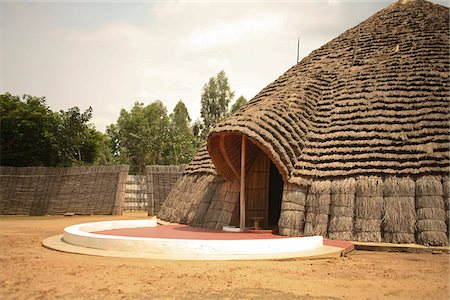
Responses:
[446,186]
[430,208]
[292,217]
[187,192]
[318,208]
[399,220]
[223,205]
[54,191]
[341,209]
[208,189]
[201,200]
[201,164]
[368,209]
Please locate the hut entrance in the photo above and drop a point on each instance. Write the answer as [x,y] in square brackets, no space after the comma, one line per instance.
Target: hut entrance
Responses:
[264,189]
[263,186]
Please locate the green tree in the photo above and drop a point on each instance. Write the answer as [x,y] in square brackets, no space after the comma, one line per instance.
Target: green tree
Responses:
[28,130]
[216,96]
[241,101]
[141,135]
[33,135]
[75,135]
[119,152]
[181,142]
[159,122]
[96,148]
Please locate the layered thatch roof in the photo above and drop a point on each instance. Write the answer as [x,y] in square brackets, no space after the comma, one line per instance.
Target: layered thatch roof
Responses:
[374,100]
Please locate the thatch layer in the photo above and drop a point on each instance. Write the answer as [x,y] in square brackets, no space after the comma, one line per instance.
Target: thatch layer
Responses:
[431,227]
[368,209]
[190,188]
[201,164]
[341,209]
[446,186]
[292,217]
[399,220]
[318,208]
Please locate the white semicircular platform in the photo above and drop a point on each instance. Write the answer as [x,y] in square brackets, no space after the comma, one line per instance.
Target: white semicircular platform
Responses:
[82,239]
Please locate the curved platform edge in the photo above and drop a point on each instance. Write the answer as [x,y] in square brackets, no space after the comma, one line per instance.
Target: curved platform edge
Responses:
[56,242]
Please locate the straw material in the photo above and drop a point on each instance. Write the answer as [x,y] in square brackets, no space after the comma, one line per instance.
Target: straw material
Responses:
[341,209]
[55,191]
[368,209]
[292,217]
[431,221]
[399,221]
[446,186]
[318,208]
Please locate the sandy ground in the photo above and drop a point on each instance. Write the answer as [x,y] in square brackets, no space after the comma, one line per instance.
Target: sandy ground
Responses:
[29,271]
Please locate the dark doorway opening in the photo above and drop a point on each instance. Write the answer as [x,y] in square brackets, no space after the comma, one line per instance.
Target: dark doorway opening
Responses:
[275,195]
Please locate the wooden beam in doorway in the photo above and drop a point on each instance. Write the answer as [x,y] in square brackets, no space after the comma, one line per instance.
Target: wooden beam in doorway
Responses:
[242,192]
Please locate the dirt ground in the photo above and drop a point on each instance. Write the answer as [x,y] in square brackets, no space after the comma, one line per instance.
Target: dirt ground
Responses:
[30,271]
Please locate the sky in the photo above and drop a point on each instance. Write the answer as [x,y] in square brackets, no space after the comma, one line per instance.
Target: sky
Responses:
[110,54]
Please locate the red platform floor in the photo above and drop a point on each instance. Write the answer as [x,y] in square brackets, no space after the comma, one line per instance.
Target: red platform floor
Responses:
[196,233]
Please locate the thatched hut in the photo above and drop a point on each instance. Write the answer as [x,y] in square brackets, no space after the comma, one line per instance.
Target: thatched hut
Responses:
[350,143]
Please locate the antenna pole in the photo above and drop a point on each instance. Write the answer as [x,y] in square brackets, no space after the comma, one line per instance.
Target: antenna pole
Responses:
[298,48]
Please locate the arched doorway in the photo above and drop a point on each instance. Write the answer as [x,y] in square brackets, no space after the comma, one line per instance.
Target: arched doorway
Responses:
[264,190]
[263,182]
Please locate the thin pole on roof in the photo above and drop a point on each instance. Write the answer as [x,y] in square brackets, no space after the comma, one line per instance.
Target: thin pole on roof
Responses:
[242,192]
[298,48]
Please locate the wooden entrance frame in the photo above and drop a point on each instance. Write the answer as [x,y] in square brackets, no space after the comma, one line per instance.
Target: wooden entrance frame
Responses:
[242,191]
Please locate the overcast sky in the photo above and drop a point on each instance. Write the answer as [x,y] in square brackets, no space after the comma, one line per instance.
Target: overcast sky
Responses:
[109,55]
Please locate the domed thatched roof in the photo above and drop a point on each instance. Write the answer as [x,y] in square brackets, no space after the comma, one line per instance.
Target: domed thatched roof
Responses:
[374,100]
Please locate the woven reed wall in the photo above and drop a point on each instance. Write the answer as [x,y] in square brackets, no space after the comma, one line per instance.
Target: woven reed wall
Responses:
[293,210]
[160,180]
[431,213]
[55,191]
[318,208]
[371,209]
[446,186]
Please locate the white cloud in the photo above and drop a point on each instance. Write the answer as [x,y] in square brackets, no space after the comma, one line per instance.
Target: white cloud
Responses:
[227,34]
[109,33]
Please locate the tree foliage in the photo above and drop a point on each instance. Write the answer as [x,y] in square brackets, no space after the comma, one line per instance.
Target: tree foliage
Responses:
[33,135]
[146,135]
[182,147]
[28,131]
[73,136]
[241,101]
[216,96]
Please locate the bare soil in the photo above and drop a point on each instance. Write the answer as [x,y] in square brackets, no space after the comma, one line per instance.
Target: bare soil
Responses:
[30,271]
